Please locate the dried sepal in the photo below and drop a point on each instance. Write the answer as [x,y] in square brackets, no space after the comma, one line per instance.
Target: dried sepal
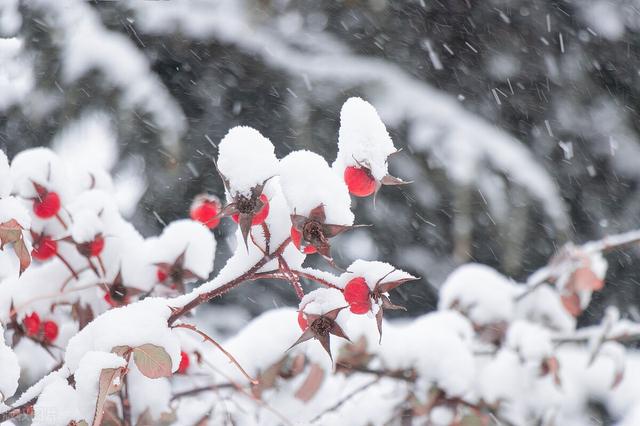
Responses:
[314,232]
[321,327]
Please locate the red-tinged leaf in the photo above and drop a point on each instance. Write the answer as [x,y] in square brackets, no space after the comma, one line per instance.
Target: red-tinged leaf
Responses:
[311,384]
[145,419]
[551,366]
[20,248]
[110,381]
[584,278]
[617,378]
[111,416]
[152,361]
[8,236]
[571,303]
[267,379]
[121,351]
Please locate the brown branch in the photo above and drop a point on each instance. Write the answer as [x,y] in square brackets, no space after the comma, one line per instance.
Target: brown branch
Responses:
[312,277]
[25,409]
[247,276]
[197,390]
[209,339]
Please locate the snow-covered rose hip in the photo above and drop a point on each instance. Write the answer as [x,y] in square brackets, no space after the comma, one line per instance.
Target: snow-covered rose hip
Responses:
[47,203]
[44,248]
[259,216]
[206,209]
[92,248]
[360,181]
[358,296]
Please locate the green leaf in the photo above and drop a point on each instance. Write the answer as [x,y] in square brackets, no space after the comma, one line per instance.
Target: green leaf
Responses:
[152,361]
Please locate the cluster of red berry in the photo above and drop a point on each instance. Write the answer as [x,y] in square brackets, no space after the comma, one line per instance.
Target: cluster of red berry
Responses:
[44,331]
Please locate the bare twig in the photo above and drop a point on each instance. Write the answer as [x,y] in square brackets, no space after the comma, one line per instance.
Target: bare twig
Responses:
[228,355]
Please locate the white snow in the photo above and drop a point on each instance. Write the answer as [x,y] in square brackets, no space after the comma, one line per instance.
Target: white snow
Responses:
[10,371]
[247,159]
[363,138]
[372,272]
[301,170]
[483,294]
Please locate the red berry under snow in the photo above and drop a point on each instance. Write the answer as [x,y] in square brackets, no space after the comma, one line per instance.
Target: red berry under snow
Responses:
[359,181]
[260,216]
[46,205]
[31,324]
[205,212]
[356,293]
[50,331]
[92,248]
[44,248]
[302,321]
[184,363]
[161,274]
[296,238]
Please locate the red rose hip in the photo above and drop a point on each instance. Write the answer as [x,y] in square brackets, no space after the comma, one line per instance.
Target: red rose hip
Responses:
[46,205]
[44,248]
[296,238]
[302,321]
[357,295]
[184,363]
[260,216]
[204,210]
[359,181]
[50,329]
[31,324]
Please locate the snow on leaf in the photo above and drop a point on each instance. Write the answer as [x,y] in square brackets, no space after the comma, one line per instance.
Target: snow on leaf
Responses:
[152,361]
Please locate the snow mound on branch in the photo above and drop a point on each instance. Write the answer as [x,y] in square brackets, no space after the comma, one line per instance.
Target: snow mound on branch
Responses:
[86,225]
[132,325]
[87,378]
[372,272]
[12,208]
[543,305]
[145,393]
[363,138]
[10,371]
[482,293]
[39,165]
[307,182]
[191,238]
[439,356]
[246,159]
[531,341]
[58,404]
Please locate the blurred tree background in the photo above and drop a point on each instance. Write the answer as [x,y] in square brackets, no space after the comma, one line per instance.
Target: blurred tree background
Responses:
[518,119]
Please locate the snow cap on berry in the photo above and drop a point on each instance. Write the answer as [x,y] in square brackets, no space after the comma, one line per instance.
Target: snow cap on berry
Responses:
[363,139]
[374,272]
[308,182]
[246,159]
[321,301]
[190,238]
[40,166]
